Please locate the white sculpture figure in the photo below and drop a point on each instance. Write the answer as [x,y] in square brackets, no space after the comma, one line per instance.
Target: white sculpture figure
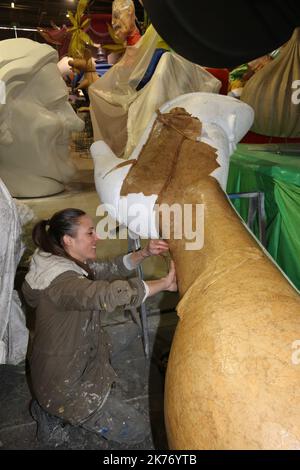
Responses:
[38,118]
[13,331]
[225,121]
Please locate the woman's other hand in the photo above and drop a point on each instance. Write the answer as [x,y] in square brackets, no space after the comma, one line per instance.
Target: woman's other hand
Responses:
[155,247]
[168,282]
[171,281]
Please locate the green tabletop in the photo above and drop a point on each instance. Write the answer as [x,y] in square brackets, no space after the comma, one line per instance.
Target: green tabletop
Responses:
[275,170]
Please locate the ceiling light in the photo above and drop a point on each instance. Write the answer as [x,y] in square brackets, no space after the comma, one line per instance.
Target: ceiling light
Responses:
[12,5]
[17,29]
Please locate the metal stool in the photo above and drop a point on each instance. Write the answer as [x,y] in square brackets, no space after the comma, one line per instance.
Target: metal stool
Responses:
[134,244]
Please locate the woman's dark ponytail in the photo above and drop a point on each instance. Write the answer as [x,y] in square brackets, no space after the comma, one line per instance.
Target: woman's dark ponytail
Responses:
[48,234]
[40,236]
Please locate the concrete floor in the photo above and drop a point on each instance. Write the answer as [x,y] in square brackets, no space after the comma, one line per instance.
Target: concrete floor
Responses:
[142,378]
[142,383]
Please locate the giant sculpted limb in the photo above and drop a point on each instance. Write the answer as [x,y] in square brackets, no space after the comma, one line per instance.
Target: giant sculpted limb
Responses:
[231,382]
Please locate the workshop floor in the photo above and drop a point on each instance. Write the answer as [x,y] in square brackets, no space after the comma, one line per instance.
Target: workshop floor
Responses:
[142,382]
[142,378]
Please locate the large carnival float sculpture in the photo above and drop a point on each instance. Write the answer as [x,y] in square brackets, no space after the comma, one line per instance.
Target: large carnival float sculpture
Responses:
[233,377]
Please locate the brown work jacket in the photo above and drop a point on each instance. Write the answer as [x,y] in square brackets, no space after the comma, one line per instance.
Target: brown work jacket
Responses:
[69,363]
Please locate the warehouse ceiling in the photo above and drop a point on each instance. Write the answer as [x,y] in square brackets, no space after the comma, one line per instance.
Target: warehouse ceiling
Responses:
[33,13]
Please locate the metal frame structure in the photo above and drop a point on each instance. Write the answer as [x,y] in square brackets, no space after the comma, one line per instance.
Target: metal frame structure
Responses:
[256,208]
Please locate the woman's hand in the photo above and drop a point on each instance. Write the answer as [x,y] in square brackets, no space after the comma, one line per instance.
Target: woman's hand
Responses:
[155,247]
[170,279]
[168,282]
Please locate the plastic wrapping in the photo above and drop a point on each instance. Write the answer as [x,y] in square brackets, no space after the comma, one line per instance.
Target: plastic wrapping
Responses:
[118,110]
[13,331]
[270,93]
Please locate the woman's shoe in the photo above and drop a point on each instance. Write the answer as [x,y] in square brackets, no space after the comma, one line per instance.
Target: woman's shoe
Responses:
[51,430]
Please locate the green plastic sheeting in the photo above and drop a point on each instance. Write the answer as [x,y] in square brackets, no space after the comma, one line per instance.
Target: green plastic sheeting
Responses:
[278,176]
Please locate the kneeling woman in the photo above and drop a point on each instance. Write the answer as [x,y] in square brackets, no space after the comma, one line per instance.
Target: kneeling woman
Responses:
[69,364]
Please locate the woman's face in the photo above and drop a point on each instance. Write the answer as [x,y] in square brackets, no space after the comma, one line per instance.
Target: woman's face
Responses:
[83,246]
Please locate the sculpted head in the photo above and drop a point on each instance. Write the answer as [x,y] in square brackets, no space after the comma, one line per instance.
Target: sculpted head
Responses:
[123,18]
[35,121]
